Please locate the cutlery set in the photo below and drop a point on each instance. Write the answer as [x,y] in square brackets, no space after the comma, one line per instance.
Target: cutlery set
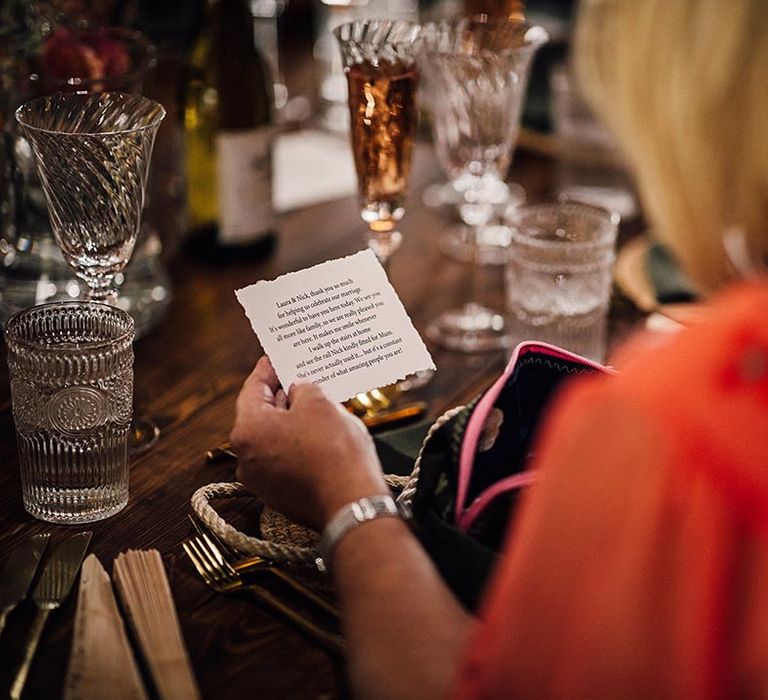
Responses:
[52,589]
[220,567]
[18,572]
[223,570]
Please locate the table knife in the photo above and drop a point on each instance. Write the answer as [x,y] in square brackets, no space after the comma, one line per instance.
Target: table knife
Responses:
[51,591]
[18,572]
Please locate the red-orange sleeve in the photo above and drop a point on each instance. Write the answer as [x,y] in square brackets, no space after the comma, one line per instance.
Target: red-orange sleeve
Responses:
[636,563]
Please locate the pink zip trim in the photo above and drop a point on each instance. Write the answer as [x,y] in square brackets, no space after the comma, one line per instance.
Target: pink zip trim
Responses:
[477,420]
[509,483]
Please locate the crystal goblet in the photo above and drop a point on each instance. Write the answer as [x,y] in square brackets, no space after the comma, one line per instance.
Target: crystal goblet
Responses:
[475,73]
[92,153]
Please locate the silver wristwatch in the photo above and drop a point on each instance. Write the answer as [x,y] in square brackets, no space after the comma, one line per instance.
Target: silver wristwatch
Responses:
[353,515]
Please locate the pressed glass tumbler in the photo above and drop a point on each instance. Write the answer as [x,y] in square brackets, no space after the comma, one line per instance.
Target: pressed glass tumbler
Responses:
[559,275]
[71,370]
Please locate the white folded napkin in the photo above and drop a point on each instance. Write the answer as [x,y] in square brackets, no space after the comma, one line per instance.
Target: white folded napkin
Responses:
[312,166]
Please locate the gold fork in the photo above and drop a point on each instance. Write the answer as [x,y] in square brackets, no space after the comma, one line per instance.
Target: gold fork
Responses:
[255,564]
[217,573]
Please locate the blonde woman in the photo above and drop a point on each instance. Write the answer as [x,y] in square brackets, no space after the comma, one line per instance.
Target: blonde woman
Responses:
[638,566]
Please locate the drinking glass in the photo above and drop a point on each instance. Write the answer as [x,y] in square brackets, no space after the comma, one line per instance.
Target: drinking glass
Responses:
[71,372]
[92,153]
[382,77]
[378,58]
[63,59]
[475,73]
[454,242]
[559,275]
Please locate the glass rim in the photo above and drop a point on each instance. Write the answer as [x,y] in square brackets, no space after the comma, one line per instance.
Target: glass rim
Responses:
[133,35]
[539,35]
[18,114]
[375,22]
[11,326]
[609,219]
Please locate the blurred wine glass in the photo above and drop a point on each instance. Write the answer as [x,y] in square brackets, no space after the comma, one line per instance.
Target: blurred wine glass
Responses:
[458,243]
[475,73]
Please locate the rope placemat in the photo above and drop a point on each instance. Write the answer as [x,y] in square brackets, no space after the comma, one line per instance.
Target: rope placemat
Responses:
[284,541]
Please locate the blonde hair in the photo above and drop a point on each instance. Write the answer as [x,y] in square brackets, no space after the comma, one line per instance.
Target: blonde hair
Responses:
[684,86]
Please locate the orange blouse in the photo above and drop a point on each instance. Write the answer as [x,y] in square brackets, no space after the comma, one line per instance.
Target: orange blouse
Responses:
[638,564]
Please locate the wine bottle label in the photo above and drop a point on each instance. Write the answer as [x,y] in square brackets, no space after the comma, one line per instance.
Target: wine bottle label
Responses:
[244,178]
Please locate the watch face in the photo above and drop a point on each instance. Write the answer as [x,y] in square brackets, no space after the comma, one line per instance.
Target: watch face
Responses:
[352,515]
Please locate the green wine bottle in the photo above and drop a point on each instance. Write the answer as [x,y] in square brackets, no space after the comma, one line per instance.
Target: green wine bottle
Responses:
[229,132]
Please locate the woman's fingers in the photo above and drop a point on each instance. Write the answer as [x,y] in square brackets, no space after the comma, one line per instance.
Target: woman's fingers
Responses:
[305,391]
[264,373]
[259,388]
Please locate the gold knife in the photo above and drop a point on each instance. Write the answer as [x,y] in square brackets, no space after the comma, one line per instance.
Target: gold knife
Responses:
[51,591]
[18,572]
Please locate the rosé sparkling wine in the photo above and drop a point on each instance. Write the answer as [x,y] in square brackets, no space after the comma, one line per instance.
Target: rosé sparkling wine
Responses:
[383,120]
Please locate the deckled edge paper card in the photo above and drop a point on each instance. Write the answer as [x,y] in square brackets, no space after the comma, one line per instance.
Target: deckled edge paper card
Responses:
[339,324]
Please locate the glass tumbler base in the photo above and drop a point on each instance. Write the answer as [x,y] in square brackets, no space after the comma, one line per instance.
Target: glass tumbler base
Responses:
[473,328]
[74,506]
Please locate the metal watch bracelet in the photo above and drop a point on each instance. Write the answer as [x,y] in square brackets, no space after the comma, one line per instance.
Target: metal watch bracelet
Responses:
[353,515]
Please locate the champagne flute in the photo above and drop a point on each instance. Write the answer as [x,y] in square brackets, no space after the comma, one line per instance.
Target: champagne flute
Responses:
[475,73]
[382,78]
[92,153]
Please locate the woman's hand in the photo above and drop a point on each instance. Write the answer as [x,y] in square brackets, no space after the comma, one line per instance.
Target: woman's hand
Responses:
[307,457]
[303,454]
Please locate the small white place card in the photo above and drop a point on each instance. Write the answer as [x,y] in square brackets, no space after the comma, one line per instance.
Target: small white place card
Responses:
[339,323]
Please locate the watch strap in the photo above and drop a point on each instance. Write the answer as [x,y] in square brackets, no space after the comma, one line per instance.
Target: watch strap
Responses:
[351,516]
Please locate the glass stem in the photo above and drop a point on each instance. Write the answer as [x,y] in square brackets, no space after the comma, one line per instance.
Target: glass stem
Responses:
[475,212]
[103,295]
[475,282]
[384,244]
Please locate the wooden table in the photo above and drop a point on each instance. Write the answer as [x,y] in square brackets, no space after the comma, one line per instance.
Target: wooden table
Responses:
[187,374]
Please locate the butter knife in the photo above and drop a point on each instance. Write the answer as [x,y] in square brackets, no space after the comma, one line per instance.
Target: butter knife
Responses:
[18,572]
[51,591]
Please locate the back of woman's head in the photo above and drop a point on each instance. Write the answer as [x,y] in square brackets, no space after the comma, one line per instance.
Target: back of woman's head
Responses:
[684,86]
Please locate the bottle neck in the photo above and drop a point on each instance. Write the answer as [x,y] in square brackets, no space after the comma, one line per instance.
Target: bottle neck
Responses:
[236,20]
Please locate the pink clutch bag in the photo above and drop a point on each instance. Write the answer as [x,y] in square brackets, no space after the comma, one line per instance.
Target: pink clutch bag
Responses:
[475,465]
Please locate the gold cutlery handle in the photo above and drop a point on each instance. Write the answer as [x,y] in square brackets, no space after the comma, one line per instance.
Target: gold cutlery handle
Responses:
[256,564]
[319,602]
[30,647]
[4,617]
[332,642]
[395,415]
[220,453]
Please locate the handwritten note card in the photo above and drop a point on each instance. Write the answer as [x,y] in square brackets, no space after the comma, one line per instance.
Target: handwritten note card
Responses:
[339,323]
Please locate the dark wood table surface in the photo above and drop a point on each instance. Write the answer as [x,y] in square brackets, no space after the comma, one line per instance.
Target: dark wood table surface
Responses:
[187,374]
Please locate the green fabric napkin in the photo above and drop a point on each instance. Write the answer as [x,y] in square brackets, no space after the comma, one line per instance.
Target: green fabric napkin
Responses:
[398,448]
[670,283]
